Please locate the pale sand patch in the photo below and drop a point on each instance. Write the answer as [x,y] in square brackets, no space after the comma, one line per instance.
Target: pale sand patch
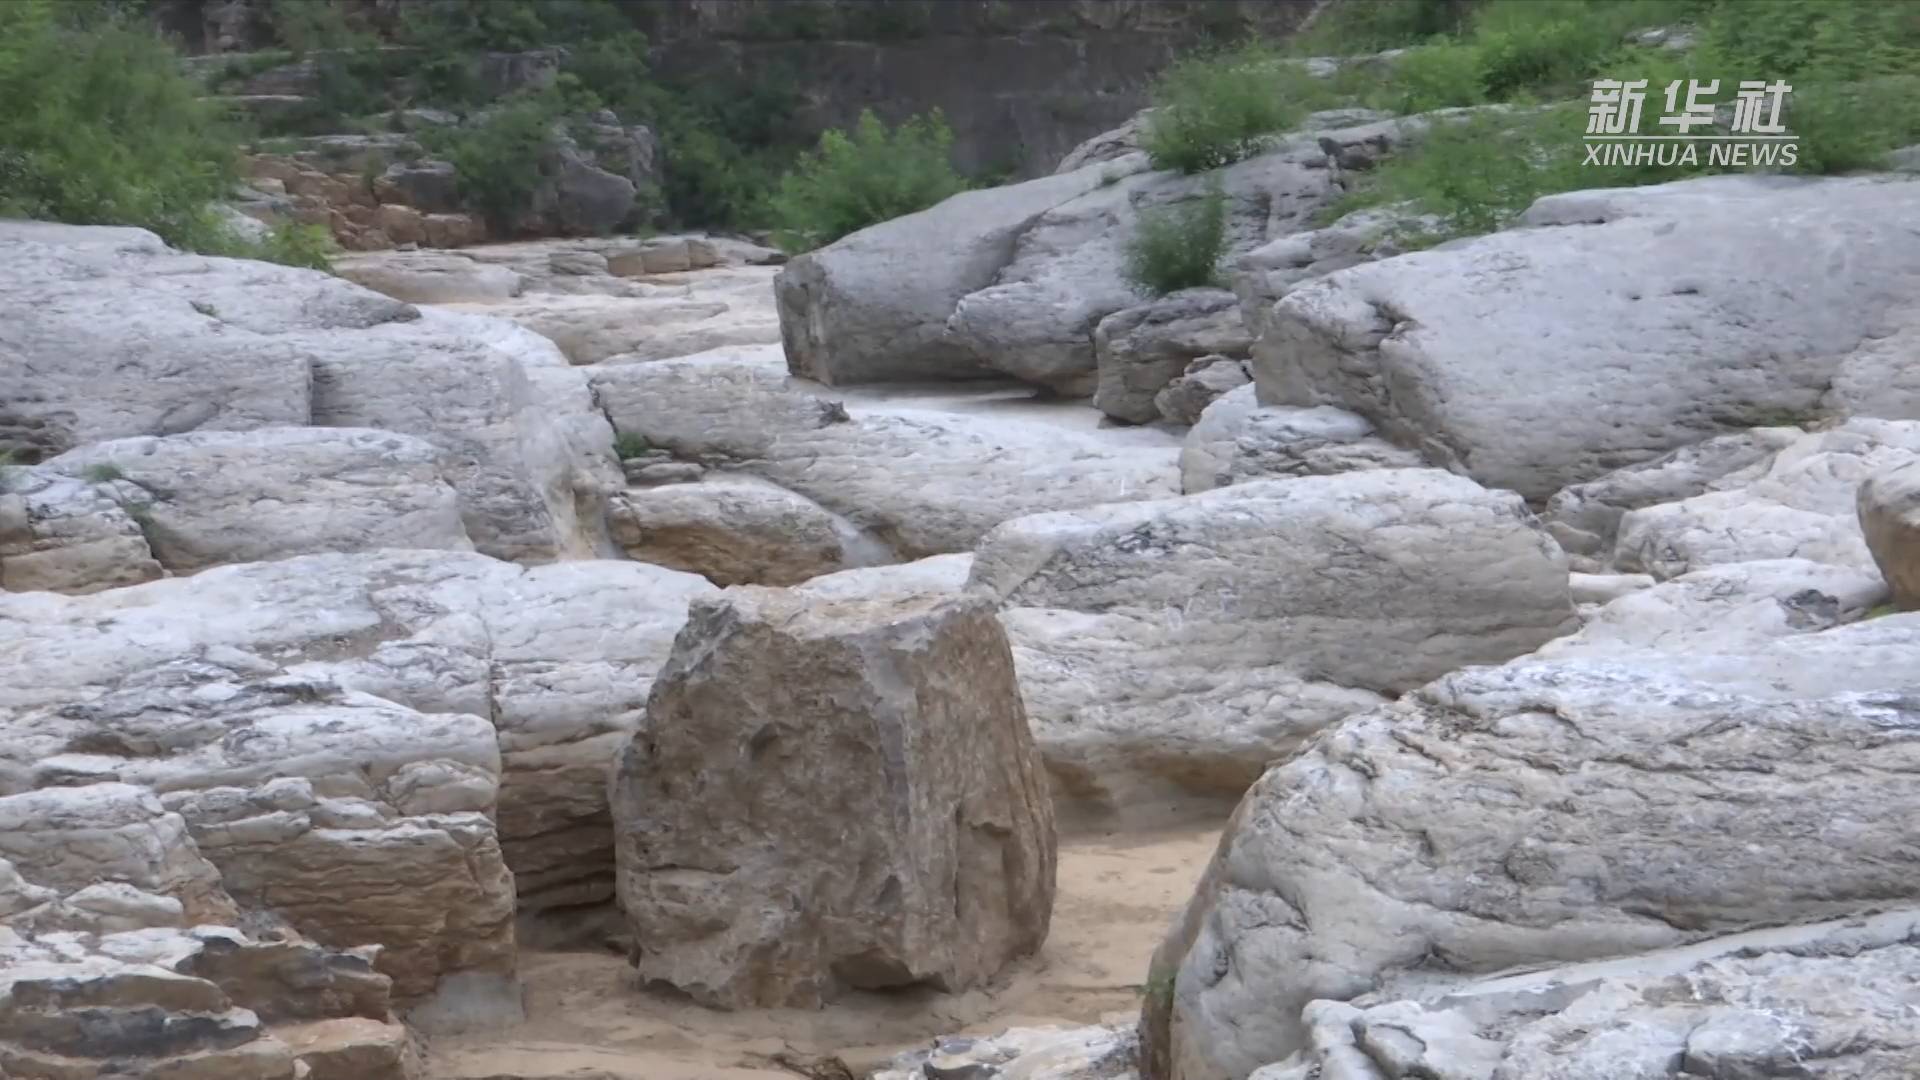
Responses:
[586,1020]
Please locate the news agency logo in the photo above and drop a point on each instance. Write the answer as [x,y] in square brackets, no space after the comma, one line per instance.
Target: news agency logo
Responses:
[1756,138]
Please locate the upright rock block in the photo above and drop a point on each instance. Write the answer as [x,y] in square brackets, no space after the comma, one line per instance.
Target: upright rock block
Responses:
[833,793]
[1889,507]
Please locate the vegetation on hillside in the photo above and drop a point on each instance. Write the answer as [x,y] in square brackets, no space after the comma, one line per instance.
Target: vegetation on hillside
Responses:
[1854,66]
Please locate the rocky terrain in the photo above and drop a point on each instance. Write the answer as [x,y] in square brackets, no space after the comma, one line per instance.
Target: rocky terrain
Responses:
[930,657]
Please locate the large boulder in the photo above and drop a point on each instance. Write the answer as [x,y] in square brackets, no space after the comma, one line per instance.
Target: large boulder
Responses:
[214,497]
[558,658]
[1889,508]
[1031,268]
[1548,811]
[1462,351]
[921,480]
[831,794]
[1168,650]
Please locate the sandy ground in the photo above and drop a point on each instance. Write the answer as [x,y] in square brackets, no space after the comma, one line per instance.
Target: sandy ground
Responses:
[587,1020]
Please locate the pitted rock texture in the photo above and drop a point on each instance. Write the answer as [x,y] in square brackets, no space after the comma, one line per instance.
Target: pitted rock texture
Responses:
[829,794]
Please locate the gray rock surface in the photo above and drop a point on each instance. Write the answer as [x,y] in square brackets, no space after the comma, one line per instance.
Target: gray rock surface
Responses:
[1585,517]
[69,535]
[120,336]
[1238,439]
[1205,381]
[1542,812]
[1889,509]
[558,658]
[1140,350]
[923,481]
[1168,650]
[738,532]
[830,794]
[214,497]
[1031,268]
[1462,350]
[1800,503]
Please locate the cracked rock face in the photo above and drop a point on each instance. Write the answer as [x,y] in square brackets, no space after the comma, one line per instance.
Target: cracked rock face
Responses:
[833,793]
[1827,1000]
[1459,351]
[121,337]
[1169,649]
[134,684]
[1548,811]
[949,477]
[1238,439]
[1798,503]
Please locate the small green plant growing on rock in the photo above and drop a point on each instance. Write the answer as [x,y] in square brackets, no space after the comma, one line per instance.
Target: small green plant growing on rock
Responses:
[628,445]
[1179,246]
[105,472]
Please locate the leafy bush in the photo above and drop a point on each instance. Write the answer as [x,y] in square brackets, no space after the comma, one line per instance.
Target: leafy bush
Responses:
[628,445]
[1430,77]
[496,158]
[1379,24]
[858,178]
[1178,246]
[100,127]
[1211,111]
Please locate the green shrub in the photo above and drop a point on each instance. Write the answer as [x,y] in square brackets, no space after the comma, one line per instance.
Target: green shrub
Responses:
[1178,246]
[105,472]
[100,127]
[1436,76]
[629,445]
[859,178]
[497,158]
[1211,111]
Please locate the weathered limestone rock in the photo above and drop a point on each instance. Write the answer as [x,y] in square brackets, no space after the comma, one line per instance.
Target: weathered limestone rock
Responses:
[116,335]
[1463,350]
[1800,503]
[1262,276]
[66,535]
[560,657]
[430,277]
[1140,350]
[526,450]
[738,532]
[871,307]
[119,336]
[69,838]
[1585,518]
[354,820]
[1238,439]
[213,497]
[1889,508]
[1205,381]
[921,480]
[659,323]
[1764,1002]
[1032,268]
[1048,1053]
[1168,650]
[352,1048]
[830,794]
[1543,812]
[1726,609]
